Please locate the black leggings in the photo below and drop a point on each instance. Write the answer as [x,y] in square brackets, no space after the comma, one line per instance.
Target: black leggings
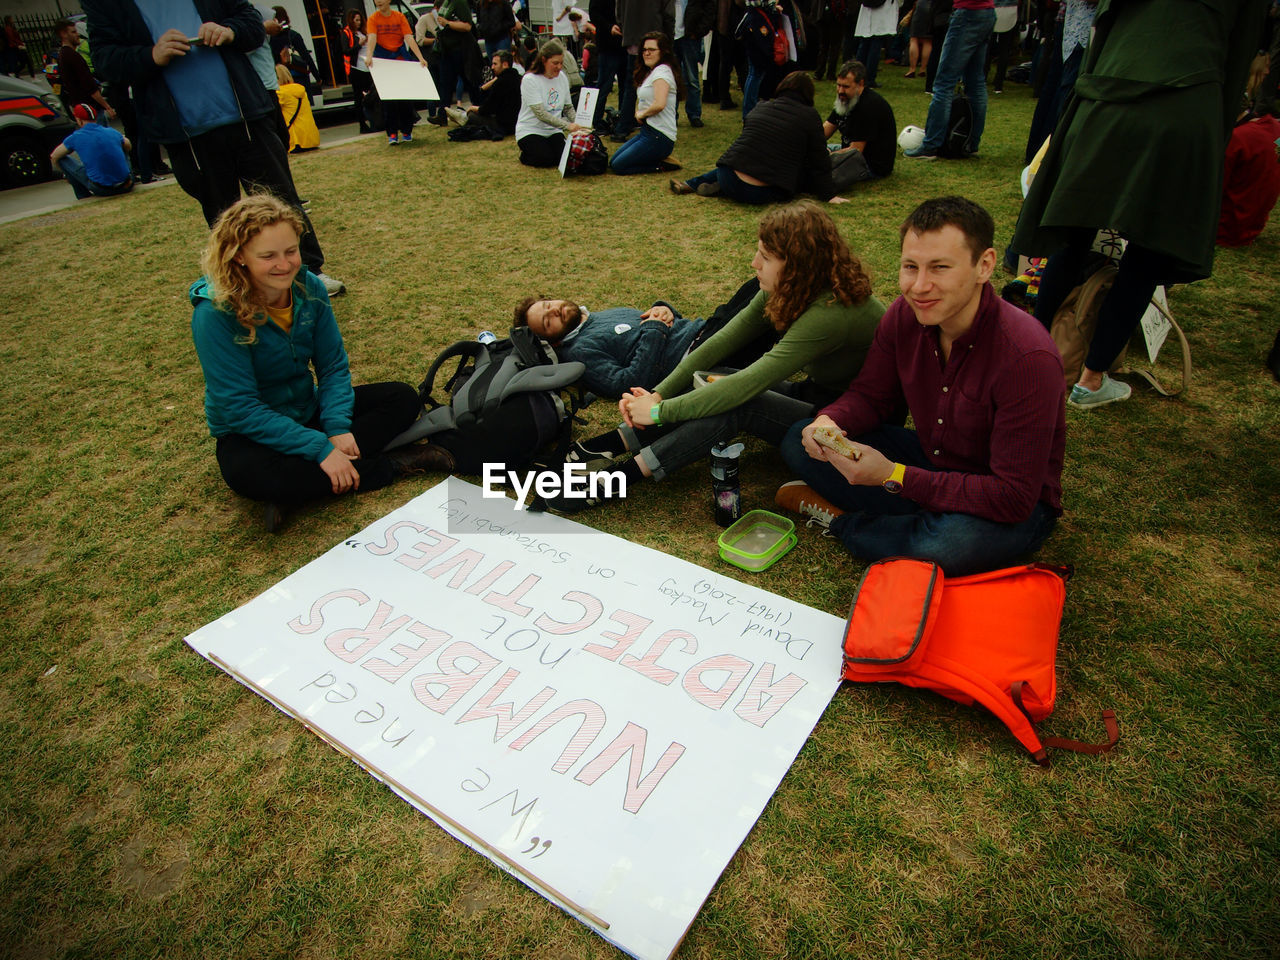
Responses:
[1140,271]
[536,151]
[382,412]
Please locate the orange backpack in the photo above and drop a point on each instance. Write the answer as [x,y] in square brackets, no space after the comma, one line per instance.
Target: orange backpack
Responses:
[989,638]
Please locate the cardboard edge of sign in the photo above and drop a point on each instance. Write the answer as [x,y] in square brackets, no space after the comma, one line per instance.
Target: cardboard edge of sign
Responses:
[434,812]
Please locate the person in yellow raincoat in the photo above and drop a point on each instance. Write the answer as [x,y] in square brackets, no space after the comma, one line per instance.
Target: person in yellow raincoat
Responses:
[296,107]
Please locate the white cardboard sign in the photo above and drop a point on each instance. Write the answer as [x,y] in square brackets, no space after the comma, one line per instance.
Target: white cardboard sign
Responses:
[402,80]
[586,110]
[601,720]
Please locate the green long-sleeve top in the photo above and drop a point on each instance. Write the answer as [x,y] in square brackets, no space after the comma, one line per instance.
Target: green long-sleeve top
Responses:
[828,341]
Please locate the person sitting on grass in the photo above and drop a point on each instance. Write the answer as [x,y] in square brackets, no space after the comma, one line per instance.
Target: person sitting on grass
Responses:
[495,116]
[658,90]
[622,347]
[93,158]
[978,483]
[546,111]
[781,151]
[262,324]
[813,291]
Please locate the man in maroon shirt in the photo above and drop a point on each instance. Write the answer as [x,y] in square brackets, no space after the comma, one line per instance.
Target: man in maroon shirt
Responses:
[977,484]
[78,82]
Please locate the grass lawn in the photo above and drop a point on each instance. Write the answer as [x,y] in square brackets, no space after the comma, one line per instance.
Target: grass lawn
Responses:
[153,807]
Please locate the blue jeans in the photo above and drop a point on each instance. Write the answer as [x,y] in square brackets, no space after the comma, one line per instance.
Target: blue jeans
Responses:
[668,448]
[963,57]
[78,177]
[688,53]
[626,100]
[612,66]
[880,524]
[751,92]
[732,187]
[642,153]
[869,54]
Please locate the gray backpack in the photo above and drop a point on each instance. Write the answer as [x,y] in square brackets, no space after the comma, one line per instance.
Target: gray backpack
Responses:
[505,402]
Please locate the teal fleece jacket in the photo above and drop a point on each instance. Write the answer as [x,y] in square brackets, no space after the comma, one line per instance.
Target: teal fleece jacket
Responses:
[265,390]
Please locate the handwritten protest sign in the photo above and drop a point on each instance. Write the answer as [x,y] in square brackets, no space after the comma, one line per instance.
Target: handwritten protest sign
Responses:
[601,720]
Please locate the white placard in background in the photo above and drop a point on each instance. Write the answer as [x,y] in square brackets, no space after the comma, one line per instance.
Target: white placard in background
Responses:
[402,80]
[601,720]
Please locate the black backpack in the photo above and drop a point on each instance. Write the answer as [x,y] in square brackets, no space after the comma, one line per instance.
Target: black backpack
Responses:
[504,402]
[955,144]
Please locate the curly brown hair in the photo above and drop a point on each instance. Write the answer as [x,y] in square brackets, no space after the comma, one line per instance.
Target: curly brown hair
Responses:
[238,224]
[817,259]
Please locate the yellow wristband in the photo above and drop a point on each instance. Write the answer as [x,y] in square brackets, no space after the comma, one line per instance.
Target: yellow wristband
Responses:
[899,471]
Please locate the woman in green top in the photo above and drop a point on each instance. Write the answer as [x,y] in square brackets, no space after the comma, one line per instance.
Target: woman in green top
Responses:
[815,295]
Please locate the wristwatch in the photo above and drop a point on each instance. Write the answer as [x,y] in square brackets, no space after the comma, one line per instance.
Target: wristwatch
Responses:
[893,484]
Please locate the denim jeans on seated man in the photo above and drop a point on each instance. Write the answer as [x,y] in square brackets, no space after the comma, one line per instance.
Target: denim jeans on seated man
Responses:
[688,51]
[963,58]
[879,524]
[76,175]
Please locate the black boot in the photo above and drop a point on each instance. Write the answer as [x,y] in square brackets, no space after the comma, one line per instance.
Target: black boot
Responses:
[421,458]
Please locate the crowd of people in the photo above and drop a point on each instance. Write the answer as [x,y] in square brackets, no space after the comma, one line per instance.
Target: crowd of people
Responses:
[804,357]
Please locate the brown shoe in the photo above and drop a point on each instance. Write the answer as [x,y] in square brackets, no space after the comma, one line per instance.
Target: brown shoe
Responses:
[421,458]
[798,497]
[668,165]
[708,189]
[680,186]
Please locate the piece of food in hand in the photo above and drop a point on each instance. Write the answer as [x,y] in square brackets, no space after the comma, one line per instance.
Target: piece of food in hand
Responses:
[831,438]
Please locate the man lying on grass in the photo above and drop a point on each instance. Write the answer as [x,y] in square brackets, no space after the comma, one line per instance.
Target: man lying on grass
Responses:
[622,347]
[977,483]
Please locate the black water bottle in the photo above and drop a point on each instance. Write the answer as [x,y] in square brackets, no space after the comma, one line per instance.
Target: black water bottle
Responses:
[726,494]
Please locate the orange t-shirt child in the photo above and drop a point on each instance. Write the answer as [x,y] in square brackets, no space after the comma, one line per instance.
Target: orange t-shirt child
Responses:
[390,29]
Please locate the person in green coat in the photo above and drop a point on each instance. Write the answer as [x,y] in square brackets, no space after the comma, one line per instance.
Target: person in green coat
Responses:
[1139,149]
[815,294]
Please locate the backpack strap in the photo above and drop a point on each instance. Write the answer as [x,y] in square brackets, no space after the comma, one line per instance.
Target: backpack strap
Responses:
[467,350]
[1062,743]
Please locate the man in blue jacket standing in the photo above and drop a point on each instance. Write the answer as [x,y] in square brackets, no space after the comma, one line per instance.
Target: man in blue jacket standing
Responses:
[198,94]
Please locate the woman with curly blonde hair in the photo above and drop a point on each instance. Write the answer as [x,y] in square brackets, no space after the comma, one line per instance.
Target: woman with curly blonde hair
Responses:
[278,395]
[815,300]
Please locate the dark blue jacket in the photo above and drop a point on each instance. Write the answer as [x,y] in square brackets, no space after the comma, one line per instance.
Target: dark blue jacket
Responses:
[122,54]
[622,352]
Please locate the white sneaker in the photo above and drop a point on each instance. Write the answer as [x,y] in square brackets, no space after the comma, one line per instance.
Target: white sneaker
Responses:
[332,287]
[457,115]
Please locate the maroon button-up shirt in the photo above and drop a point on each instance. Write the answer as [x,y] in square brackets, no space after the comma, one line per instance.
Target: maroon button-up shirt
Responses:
[992,419]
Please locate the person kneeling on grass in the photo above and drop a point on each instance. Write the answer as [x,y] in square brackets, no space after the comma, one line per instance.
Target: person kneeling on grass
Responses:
[261,324]
[813,291]
[978,483]
[658,88]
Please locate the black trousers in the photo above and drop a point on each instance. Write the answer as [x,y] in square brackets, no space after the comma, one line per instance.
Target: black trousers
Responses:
[213,166]
[536,151]
[382,412]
